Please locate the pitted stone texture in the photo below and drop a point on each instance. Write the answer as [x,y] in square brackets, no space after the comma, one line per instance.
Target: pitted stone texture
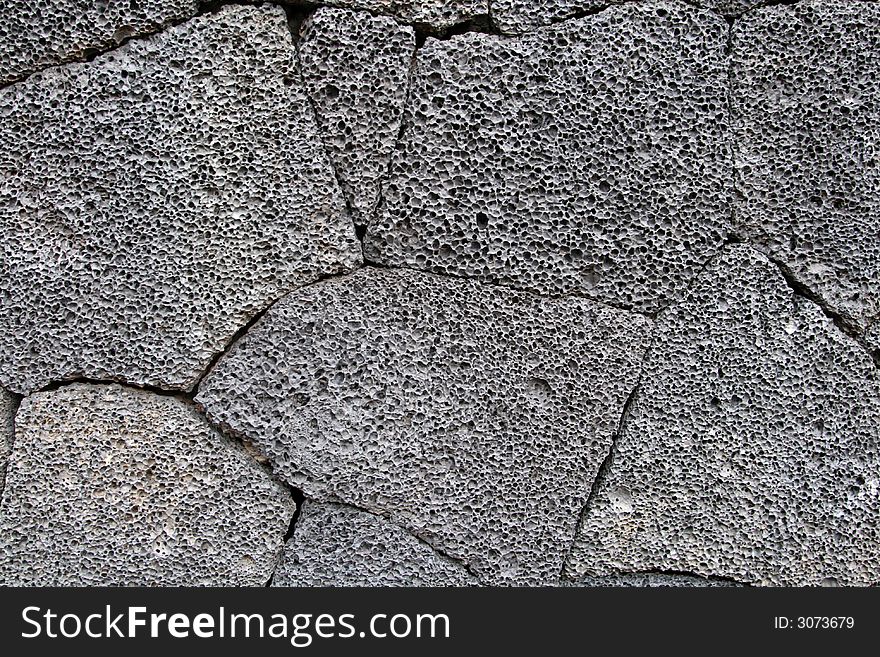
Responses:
[751,449]
[872,338]
[336,545]
[152,213]
[115,486]
[7,417]
[652,580]
[430,14]
[35,34]
[356,68]
[588,157]
[806,111]
[474,415]
[518,16]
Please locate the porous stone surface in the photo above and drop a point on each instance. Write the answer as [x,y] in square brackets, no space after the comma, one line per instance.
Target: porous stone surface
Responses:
[436,15]
[7,423]
[806,112]
[652,580]
[114,486]
[751,449]
[473,415]
[872,338]
[589,157]
[35,34]
[154,214]
[518,16]
[356,69]
[337,545]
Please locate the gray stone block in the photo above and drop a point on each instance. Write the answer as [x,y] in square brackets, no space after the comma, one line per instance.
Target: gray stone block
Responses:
[589,157]
[751,449]
[652,580]
[336,545]
[806,112]
[152,211]
[114,486]
[7,425]
[430,14]
[356,69]
[35,34]
[518,16]
[474,415]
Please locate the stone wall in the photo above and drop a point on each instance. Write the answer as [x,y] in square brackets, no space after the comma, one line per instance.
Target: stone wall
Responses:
[438,292]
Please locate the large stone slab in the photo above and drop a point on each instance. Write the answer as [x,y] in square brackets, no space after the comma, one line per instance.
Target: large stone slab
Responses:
[806,111]
[115,486]
[518,16]
[436,15]
[7,425]
[589,157]
[356,69]
[751,449]
[35,34]
[159,197]
[337,545]
[474,415]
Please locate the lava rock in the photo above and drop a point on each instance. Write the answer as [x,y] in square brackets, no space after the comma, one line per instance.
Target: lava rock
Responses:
[112,486]
[356,70]
[589,157]
[475,416]
[35,34]
[152,211]
[336,545]
[806,115]
[751,449]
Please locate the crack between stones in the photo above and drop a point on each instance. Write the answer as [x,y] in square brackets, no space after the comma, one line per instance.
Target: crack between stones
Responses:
[678,573]
[442,554]
[296,16]
[605,466]
[839,320]
[380,201]
[298,499]
[193,390]
[574,294]
[90,54]
[238,335]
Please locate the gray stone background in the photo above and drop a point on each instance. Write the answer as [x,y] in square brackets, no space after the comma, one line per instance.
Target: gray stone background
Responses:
[438,292]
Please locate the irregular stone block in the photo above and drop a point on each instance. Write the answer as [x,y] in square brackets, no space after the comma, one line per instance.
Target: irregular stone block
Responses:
[589,157]
[474,415]
[429,14]
[806,111]
[7,425]
[115,486]
[335,545]
[154,215]
[35,34]
[652,580]
[356,69]
[751,449]
[518,16]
